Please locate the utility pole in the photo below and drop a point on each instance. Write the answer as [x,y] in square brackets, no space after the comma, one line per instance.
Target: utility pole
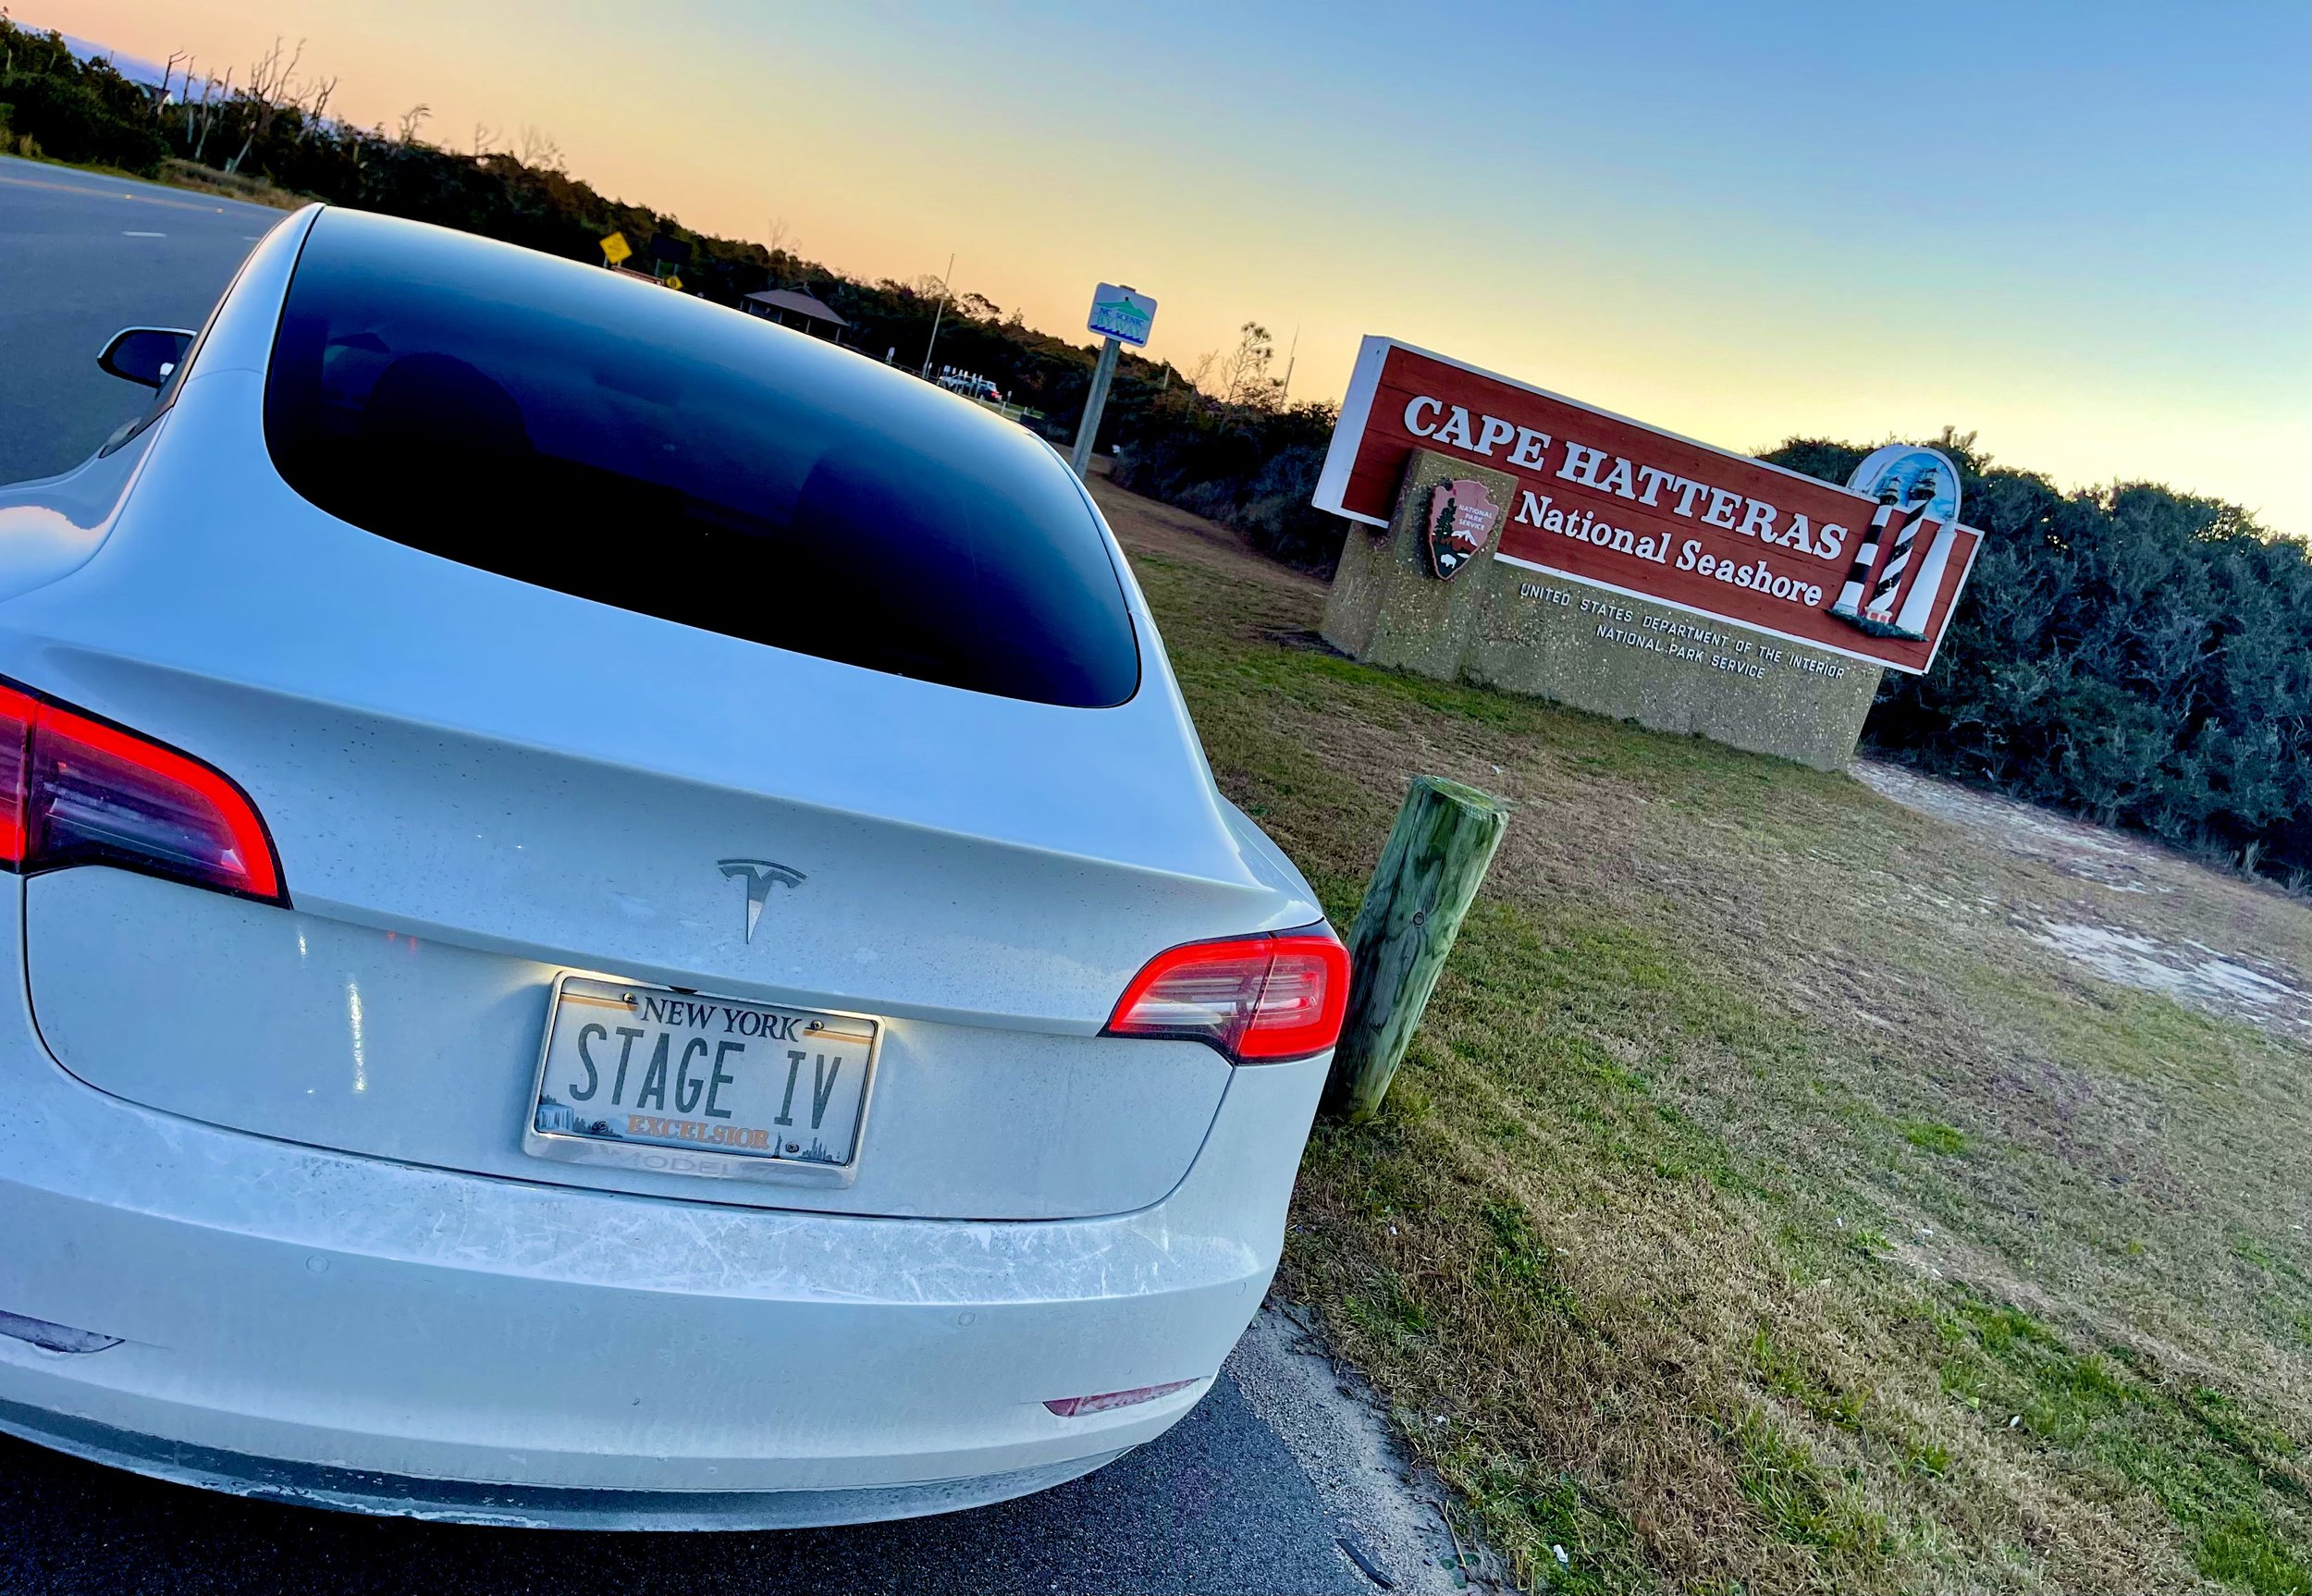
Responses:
[937,314]
[1286,388]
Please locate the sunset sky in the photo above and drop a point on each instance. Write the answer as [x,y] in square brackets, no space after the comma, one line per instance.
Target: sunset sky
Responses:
[2083,231]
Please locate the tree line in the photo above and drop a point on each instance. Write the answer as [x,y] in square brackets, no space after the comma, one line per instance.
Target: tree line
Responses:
[2131,653]
[2136,656]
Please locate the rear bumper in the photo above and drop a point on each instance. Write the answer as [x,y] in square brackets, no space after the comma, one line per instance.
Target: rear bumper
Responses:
[519,1507]
[354,1332]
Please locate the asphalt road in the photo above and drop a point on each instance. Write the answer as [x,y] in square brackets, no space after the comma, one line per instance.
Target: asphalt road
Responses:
[1221,1503]
[81,257]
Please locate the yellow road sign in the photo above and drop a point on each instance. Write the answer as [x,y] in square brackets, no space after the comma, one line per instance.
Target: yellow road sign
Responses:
[615,248]
[672,281]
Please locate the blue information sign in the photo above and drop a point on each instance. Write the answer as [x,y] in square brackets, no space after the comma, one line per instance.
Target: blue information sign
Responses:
[1121,314]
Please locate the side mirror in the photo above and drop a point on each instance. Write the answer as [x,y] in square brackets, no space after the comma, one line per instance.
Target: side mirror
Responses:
[147,355]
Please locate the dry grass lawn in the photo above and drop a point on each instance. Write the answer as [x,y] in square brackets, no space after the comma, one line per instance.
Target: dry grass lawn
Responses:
[1763,1208]
[204,179]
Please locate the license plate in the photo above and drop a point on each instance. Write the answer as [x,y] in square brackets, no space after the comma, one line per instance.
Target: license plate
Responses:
[643,1077]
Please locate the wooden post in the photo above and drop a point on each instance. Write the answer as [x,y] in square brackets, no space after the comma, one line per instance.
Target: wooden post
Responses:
[1429,874]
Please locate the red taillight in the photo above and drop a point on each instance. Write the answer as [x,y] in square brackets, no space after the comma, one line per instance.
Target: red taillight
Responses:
[75,790]
[1259,999]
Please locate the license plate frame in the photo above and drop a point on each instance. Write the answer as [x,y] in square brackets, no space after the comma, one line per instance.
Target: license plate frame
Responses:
[672,1156]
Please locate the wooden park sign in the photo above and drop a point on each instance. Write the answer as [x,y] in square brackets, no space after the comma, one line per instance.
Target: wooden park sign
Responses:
[1724,559]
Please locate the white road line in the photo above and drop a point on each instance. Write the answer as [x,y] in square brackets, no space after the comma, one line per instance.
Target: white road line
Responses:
[132,233]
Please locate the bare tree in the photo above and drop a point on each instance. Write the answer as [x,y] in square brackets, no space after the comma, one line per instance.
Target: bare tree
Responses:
[201,116]
[780,239]
[412,120]
[267,90]
[485,139]
[1244,374]
[270,78]
[538,149]
[169,70]
[313,104]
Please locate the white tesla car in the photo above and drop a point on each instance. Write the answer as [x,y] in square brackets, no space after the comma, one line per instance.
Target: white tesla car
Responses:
[621,924]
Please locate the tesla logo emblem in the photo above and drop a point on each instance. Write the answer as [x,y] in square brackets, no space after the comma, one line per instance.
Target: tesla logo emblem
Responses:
[758,874]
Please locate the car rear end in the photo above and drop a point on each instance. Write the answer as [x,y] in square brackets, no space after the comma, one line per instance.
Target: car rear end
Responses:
[622,925]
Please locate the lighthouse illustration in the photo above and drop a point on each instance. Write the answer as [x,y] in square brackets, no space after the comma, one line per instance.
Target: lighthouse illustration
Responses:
[1900,562]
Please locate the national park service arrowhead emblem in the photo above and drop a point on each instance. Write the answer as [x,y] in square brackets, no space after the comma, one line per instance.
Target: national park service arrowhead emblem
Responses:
[1460,522]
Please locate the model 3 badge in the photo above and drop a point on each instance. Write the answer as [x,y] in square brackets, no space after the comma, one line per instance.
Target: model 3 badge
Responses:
[758,874]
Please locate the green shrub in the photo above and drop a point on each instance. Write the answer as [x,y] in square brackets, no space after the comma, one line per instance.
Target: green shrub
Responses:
[2132,654]
[73,122]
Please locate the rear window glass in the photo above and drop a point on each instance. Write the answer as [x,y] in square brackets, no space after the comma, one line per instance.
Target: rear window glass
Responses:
[569,427]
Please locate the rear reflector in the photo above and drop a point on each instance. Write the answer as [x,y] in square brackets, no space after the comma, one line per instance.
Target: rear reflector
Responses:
[1076,1407]
[1259,999]
[78,790]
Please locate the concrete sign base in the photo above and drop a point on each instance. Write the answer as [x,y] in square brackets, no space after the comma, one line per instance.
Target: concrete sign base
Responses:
[1500,625]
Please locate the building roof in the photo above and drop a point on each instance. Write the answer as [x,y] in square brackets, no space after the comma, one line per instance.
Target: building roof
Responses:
[800,303]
